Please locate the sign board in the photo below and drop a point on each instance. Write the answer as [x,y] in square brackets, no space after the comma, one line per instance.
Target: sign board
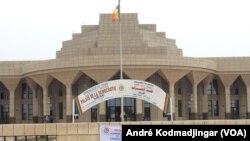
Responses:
[126,88]
[110,133]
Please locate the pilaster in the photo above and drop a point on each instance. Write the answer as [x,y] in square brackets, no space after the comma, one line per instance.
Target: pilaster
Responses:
[173,76]
[11,85]
[67,78]
[195,77]
[227,80]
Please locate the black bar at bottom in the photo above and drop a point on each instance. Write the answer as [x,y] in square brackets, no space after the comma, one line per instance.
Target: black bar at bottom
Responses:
[187,132]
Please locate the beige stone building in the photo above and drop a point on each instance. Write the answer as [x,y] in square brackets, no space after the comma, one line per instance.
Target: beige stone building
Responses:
[201,88]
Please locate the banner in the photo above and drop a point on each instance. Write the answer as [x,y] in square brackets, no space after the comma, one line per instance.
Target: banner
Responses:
[126,88]
[110,133]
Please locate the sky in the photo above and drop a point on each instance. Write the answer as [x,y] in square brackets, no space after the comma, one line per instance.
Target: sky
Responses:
[35,29]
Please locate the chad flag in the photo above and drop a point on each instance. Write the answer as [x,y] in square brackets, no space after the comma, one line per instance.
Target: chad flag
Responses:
[116,13]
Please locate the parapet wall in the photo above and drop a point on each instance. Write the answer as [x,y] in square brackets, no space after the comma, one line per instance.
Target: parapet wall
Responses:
[90,131]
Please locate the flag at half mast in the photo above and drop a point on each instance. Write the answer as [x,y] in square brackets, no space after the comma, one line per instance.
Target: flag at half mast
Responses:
[116,13]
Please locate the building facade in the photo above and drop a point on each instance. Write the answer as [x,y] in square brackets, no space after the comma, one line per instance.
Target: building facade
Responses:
[201,88]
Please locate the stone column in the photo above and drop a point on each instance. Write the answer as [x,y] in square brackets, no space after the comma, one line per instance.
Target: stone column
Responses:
[173,76]
[12,118]
[43,80]
[45,102]
[11,85]
[35,109]
[194,106]
[246,79]
[35,105]
[102,111]
[227,102]
[205,103]
[69,103]
[67,78]
[195,77]
[172,95]
[206,83]
[248,102]
[139,115]
[227,80]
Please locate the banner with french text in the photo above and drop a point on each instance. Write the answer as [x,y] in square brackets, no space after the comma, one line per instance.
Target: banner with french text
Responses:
[123,88]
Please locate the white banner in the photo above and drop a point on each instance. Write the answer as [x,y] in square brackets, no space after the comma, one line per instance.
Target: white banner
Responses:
[110,133]
[126,88]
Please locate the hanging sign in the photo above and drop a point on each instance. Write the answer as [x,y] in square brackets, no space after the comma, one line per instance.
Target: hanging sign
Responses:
[123,88]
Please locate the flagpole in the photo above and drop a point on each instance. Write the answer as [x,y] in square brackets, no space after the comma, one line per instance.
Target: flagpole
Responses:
[121,59]
[73,110]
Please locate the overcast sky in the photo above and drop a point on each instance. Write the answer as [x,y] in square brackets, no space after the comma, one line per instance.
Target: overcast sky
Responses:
[35,29]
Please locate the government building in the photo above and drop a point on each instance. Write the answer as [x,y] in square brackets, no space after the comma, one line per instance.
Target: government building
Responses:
[200,88]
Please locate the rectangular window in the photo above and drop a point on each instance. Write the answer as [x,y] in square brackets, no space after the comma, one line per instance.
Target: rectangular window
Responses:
[129,109]
[236,91]
[5,108]
[179,108]
[179,91]
[60,108]
[29,93]
[75,90]
[212,88]
[94,114]
[210,108]
[60,90]
[4,115]
[30,112]
[213,108]
[2,95]
[216,107]
[146,111]
[235,111]
[27,111]
[24,111]
[26,91]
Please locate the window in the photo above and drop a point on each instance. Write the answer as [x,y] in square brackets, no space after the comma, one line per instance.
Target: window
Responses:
[213,108]
[5,108]
[129,109]
[26,91]
[179,91]
[212,88]
[60,91]
[27,111]
[3,92]
[30,111]
[4,113]
[60,108]
[236,91]
[113,107]
[146,106]
[75,90]
[179,108]
[94,114]
[235,109]
[4,96]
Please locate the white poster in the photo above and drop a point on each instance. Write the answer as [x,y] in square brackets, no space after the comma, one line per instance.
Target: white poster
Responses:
[126,88]
[110,133]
